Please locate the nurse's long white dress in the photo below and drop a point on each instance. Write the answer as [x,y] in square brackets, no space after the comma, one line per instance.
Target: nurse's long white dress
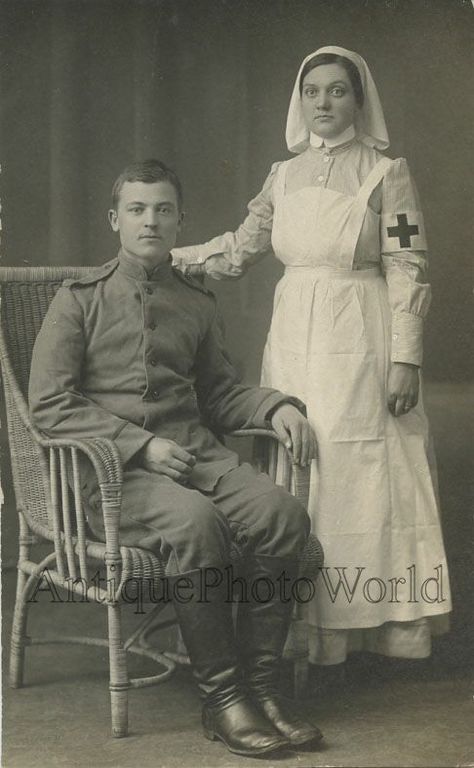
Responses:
[346,224]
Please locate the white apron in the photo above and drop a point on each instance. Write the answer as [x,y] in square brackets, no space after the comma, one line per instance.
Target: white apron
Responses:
[373,497]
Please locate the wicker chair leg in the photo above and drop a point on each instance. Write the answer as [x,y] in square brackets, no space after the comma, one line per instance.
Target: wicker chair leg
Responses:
[119,712]
[18,635]
[119,681]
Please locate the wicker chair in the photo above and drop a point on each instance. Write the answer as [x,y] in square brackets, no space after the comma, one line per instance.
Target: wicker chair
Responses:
[47,483]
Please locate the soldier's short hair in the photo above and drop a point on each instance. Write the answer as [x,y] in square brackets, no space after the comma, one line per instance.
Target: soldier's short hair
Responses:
[150,172]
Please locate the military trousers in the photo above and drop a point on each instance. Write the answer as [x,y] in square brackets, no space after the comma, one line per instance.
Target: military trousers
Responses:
[191,529]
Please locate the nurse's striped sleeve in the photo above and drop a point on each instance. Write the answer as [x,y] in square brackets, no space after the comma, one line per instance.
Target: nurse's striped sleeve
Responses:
[404,262]
[247,244]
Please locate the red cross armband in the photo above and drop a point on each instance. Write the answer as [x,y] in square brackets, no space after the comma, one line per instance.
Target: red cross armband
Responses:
[403,231]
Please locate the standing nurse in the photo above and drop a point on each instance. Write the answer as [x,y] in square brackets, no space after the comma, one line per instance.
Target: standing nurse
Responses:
[346,338]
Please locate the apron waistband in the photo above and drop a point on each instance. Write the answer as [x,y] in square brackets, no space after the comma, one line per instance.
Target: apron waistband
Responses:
[344,274]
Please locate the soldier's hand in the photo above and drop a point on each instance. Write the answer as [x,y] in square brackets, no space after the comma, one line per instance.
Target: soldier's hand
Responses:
[219,268]
[294,430]
[165,457]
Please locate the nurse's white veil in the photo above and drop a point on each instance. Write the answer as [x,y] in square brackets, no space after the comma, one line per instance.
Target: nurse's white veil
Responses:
[370,122]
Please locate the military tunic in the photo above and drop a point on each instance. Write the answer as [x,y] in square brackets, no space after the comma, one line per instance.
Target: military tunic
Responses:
[128,355]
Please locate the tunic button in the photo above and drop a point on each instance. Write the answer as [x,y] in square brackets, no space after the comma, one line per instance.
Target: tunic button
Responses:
[152,326]
[155,394]
[326,159]
[320,178]
[153,362]
[148,289]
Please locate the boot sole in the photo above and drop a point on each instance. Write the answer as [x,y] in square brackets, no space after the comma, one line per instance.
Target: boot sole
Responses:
[306,742]
[212,736]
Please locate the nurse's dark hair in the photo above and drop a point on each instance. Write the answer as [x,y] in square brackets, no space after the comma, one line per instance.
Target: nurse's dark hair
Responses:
[335,58]
[149,172]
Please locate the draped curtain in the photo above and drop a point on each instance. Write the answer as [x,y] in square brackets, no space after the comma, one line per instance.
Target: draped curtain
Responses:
[204,85]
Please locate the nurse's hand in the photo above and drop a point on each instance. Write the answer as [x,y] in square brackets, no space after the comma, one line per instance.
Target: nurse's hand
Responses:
[220,268]
[165,457]
[403,388]
[296,434]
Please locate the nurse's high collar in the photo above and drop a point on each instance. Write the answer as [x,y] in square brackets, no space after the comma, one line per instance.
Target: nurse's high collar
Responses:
[335,141]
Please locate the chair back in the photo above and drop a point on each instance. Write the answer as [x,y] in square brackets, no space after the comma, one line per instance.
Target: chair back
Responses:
[25,295]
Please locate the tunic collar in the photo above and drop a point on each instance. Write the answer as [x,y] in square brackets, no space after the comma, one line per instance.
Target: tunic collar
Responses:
[129,266]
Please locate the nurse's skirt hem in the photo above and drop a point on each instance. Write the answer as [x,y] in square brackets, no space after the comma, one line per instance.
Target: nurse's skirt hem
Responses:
[403,640]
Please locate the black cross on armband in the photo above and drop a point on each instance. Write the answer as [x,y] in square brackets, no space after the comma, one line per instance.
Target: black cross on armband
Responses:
[404,231]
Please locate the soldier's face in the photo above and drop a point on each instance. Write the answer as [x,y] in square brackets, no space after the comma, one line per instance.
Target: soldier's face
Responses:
[328,100]
[148,219]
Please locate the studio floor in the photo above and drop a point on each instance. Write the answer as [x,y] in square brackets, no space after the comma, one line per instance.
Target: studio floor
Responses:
[385,713]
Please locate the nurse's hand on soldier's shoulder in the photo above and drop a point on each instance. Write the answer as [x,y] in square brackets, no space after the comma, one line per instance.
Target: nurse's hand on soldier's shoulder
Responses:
[220,268]
[403,388]
[295,432]
[165,457]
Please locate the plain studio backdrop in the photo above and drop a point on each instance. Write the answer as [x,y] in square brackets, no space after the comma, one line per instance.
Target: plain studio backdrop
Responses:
[204,85]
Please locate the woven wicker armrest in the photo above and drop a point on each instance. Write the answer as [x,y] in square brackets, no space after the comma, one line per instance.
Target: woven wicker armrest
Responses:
[255,432]
[65,474]
[102,452]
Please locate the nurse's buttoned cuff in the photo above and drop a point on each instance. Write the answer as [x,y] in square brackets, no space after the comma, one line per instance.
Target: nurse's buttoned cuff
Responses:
[130,440]
[191,254]
[407,338]
[195,270]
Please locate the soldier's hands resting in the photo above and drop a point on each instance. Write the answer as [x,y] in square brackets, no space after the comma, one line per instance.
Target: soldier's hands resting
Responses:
[165,457]
[294,429]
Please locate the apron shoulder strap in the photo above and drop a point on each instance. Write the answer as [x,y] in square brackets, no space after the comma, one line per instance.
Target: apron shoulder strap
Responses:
[359,208]
[375,177]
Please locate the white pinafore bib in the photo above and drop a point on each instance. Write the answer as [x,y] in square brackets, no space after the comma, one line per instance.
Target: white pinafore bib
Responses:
[316,226]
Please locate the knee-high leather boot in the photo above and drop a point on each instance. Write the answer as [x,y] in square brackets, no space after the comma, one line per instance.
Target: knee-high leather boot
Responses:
[263,622]
[208,633]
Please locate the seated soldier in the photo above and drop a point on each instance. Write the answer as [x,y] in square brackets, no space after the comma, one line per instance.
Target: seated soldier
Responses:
[134,353]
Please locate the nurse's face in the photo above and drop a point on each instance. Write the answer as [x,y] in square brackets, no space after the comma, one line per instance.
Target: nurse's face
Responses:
[328,101]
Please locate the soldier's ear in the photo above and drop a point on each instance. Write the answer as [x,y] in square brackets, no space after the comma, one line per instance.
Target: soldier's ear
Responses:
[112,216]
[181,218]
